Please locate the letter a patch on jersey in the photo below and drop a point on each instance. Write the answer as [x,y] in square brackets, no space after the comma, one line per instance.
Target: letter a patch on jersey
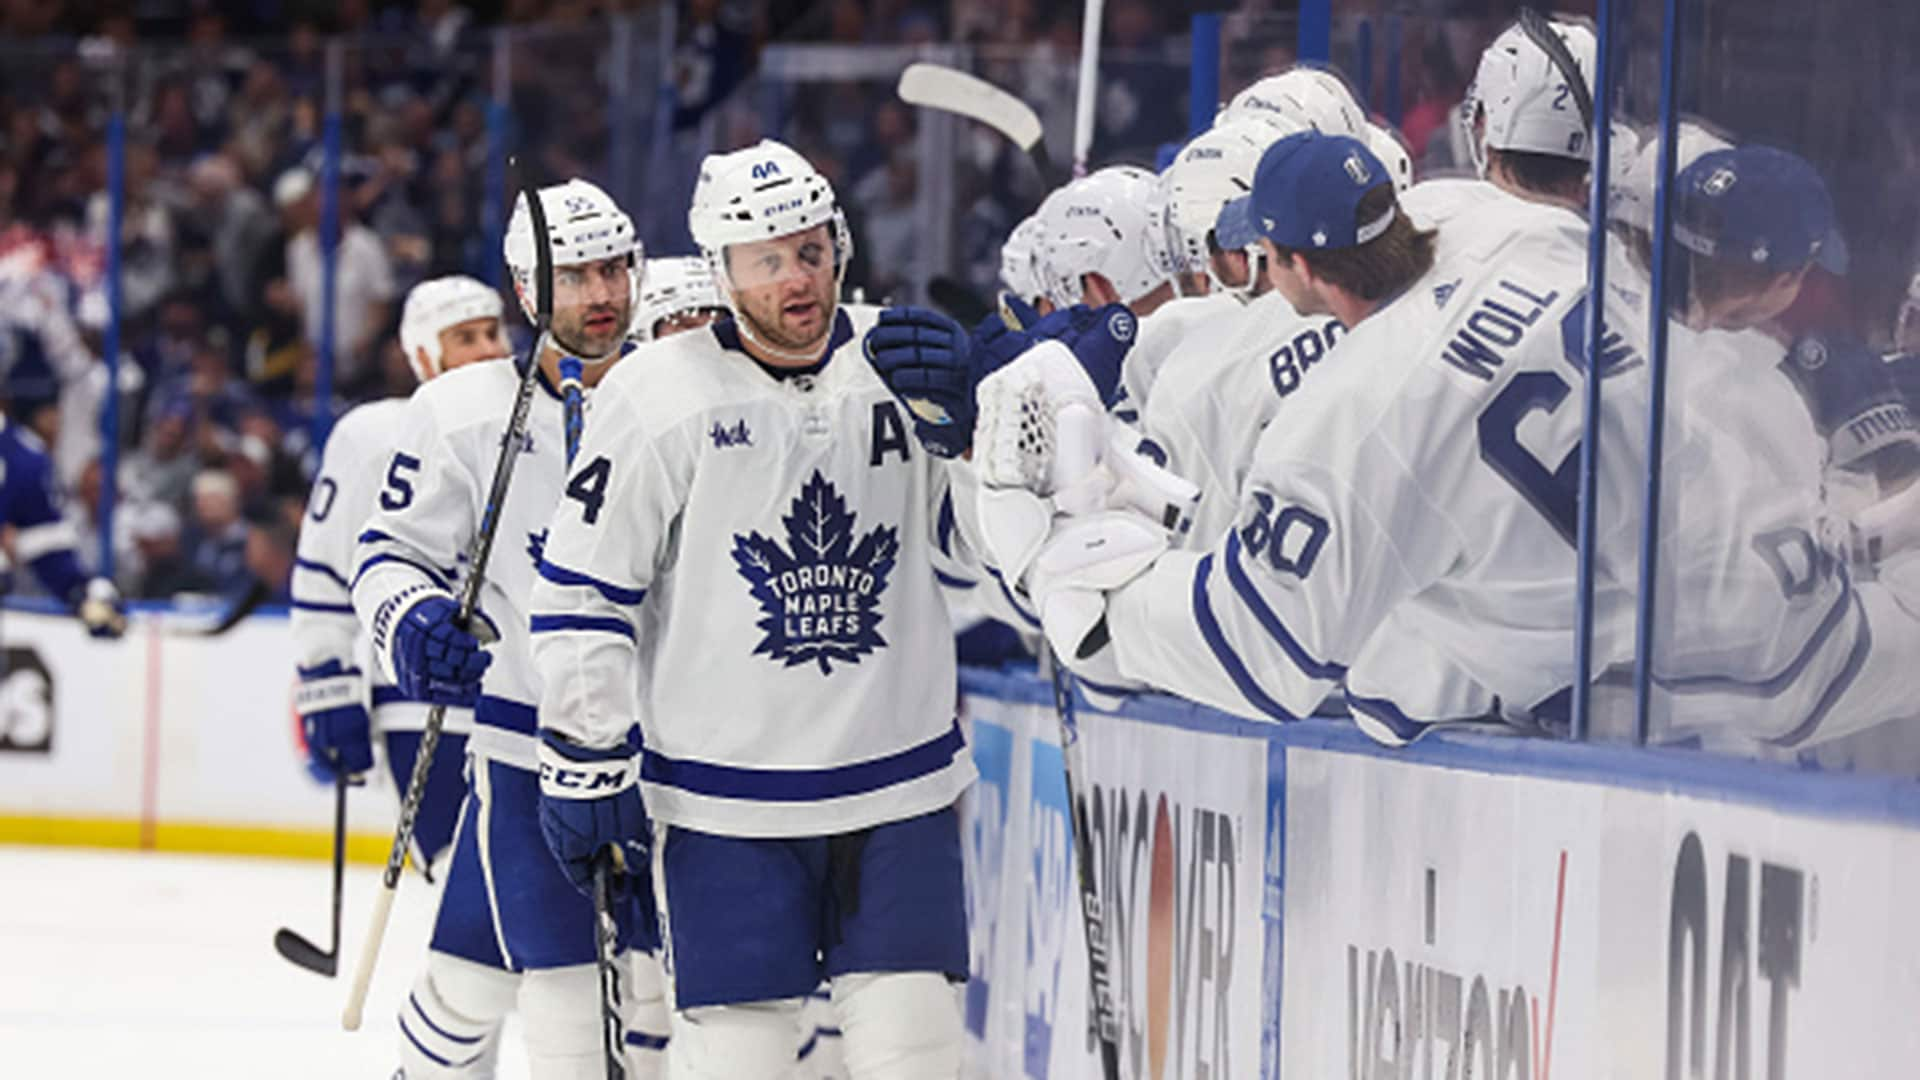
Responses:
[820,594]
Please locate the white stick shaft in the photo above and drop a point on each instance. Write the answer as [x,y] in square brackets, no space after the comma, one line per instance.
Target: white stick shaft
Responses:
[369,956]
[1088,95]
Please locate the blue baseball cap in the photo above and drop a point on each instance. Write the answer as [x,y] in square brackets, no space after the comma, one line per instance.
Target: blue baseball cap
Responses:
[1759,205]
[1306,195]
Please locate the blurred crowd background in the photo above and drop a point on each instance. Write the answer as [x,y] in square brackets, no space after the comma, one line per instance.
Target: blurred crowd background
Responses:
[221,326]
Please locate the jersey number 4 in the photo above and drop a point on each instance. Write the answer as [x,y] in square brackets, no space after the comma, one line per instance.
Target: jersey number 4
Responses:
[589,488]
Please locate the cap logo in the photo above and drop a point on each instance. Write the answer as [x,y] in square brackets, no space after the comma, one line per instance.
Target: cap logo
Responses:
[765,170]
[1357,169]
[1266,223]
[1319,238]
[1719,182]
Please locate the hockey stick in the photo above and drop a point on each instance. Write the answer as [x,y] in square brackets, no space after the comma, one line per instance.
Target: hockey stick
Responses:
[936,86]
[478,553]
[1086,96]
[297,948]
[257,593]
[1541,33]
[1101,1019]
[606,930]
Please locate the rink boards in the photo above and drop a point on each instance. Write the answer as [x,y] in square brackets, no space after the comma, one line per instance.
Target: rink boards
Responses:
[1277,901]
[1294,901]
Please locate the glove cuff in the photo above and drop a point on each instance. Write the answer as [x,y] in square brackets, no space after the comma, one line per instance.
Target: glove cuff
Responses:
[332,685]
[571,771]
[388,617]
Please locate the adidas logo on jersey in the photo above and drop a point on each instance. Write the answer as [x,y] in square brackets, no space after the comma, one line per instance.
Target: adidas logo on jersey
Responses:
[735,435]
[1444,292]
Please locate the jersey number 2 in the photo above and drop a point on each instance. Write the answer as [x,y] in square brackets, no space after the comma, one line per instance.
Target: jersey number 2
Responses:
[589,486]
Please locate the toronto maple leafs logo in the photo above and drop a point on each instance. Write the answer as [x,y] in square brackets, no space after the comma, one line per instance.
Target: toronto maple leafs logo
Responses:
[820,594]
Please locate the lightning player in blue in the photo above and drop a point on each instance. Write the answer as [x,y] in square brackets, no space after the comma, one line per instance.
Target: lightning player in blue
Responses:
[744,564]
[44,539]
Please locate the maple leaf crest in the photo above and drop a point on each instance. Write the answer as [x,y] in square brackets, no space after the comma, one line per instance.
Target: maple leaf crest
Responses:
[819,593]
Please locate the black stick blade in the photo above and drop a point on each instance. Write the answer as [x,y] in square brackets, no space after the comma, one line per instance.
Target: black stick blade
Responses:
[305,953]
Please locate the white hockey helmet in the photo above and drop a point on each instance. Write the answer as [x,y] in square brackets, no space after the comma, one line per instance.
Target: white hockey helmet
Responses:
[1631,203]
[674,286]
[1386,145]
[1306,97]
[433,306]
[584,225]
[1526,102]
[1211,171]
[763,191]
[1101,223]
[1017,258]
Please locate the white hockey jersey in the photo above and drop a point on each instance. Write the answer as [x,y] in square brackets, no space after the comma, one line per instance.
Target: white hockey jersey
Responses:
[1170,326]
[325,628]
[1218,392]
[746,564]
[1766,639]
[431,478]
[1425,480]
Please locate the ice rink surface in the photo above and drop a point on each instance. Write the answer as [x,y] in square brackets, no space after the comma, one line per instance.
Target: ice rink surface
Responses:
[120,964]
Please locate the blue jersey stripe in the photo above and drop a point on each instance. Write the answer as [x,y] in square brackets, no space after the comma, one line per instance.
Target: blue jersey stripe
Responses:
[331,609]
[1018,608]
[1250,596]
[547,624]
[1235,668]
[372,561]
[617,594]
[1857,659]
[507,715]
[1389,715]
[322,569]
[803,785]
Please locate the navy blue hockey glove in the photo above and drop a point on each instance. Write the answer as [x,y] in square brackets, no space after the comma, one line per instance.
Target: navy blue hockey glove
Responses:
[332,705]
[1856,402]
[1100,339]
[927,360]
[434,660]
[590,803]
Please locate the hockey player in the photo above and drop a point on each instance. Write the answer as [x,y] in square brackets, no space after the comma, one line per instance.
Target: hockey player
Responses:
[677,294]
[44,539]
[745,565]
[1398,491]
[1757,596]
[446,323]
[505,905]
[1530,125]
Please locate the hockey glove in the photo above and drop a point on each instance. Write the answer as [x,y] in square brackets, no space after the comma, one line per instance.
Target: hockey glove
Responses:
[589,803]
[101,611]
[927,360]
[1855,400]
[433,659]
[1100,339]
[332,705]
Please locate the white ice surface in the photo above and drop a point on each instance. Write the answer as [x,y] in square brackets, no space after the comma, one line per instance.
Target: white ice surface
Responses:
[148,966]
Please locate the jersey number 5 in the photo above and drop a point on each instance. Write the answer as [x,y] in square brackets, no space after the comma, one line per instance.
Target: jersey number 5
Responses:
[589,487]
[398,494]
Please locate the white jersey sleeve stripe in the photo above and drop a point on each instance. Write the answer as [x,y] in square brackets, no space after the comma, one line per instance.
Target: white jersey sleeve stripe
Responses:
[805,785]
[615,594]
[34,541]
[603,624]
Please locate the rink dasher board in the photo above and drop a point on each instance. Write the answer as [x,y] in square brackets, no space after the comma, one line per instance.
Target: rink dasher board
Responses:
[165,741]
[1781,889]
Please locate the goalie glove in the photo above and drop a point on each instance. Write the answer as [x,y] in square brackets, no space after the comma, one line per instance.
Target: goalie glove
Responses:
[1046,446]
[1082,560]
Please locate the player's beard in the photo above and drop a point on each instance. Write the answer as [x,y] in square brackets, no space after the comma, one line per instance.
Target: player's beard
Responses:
[768,320]
[572,333]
